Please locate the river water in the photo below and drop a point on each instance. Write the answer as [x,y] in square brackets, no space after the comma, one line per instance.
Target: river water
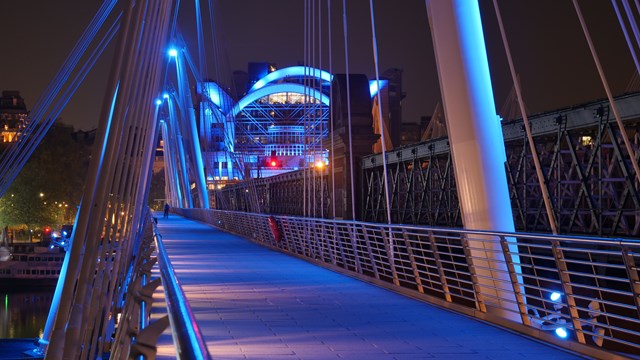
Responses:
[23,312]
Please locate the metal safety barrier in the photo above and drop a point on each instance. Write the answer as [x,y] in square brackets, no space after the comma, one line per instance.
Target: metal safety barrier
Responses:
[579,293]
[187,336]
[136,337]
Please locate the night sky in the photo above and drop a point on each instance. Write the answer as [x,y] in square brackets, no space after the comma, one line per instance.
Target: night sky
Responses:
[548,47]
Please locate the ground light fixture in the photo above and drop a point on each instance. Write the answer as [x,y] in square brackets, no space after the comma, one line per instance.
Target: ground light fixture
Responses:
[562,333]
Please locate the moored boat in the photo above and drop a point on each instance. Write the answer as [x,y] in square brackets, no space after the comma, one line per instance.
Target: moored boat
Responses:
[30,264]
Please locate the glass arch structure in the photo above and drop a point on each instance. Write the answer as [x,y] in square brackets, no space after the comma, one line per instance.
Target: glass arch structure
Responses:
[278,126]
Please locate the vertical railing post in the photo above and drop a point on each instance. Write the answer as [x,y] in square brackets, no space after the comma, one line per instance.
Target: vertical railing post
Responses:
[331,243]
[436,256]
[480,305]
[563,274]
[390,256]
[374,266]
[515,281]
[341,248]
[632,273]
[354,245]
[414,266]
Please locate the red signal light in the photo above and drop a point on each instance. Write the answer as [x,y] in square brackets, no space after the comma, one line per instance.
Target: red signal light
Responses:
[47,230]
[272,162]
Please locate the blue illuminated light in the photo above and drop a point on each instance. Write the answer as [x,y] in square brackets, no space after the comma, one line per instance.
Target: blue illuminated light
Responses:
[276,89]
[165,96]
[375,86]
[158,102]
[562,333]
[218,96]
[292,71]
[173,52]
[555,296]
[111,111]
[215,97]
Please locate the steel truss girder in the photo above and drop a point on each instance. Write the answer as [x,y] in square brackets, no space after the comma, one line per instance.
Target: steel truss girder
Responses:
[280,195]
[590,179]
[587,171]
[422,190]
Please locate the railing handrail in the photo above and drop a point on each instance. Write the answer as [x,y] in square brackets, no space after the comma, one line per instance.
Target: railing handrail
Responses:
[537,236]
[186,334]
[547,286]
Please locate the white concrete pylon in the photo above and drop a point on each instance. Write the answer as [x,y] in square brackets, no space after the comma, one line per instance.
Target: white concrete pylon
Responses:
[477,144]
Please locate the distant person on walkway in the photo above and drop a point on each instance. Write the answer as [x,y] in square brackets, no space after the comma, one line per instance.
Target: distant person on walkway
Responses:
[166,210]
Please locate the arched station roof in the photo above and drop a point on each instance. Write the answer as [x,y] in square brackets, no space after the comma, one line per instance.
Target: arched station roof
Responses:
[277,89]
[290,72]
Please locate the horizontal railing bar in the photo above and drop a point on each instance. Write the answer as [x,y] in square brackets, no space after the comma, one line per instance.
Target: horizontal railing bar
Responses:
[189,341]
[489,274]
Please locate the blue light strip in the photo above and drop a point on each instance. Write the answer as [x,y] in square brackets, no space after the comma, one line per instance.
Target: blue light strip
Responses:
[190,342]
[292,71]
[276,89]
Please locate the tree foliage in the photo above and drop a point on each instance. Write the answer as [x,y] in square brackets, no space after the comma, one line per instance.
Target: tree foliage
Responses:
[49,187]
[156,192]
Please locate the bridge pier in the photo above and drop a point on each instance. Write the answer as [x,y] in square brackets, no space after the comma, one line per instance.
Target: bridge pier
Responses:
[477,144]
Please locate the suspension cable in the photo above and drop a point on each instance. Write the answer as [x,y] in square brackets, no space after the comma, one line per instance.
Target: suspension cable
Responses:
[626,34]
[320,122]
[632,21]
[331,103]
[374,40]
[605,84]
[200,35]
[532,147]
[20,154]
[16,155]
[304,112]
[314,116]
[348,84]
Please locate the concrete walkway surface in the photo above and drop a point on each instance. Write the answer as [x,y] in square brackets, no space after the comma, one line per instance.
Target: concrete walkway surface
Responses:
[255,303]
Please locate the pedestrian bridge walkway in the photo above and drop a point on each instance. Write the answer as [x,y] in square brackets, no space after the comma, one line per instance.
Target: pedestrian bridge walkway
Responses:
[252,302]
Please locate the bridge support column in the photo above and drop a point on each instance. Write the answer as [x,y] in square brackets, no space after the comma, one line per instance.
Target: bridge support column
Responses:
[477,144]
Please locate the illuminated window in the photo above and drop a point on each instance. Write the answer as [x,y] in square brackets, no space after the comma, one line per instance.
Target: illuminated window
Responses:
[586,140]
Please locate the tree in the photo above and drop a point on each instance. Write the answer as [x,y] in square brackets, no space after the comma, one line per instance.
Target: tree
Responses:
[156,192]
[49,187]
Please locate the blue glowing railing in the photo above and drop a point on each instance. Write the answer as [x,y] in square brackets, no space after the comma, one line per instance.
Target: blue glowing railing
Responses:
[186,333]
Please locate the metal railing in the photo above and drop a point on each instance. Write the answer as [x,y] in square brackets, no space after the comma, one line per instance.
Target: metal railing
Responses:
[136,337]
[187,336]
[582,294]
